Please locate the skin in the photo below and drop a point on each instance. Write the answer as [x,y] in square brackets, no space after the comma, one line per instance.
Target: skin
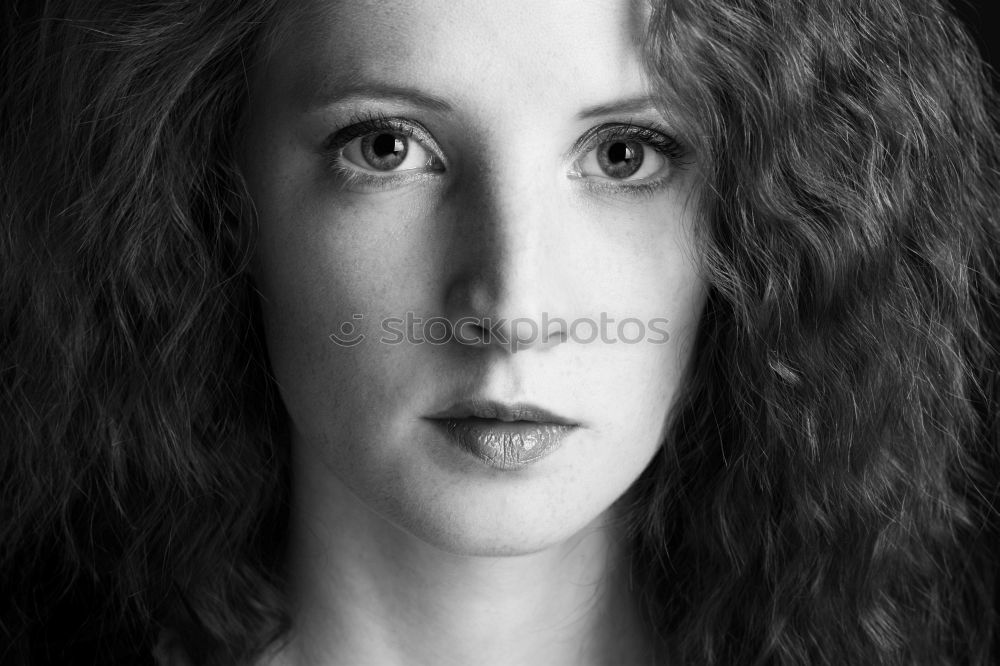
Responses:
[404,548]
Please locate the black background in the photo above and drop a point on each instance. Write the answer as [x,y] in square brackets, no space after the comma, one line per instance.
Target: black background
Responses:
[983,19]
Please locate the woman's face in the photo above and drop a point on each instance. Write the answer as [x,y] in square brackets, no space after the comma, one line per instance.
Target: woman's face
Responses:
[425,173]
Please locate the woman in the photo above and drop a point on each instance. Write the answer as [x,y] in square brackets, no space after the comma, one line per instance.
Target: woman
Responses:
[555,333]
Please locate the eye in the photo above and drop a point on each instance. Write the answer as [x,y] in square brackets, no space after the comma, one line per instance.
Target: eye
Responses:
[386,151]
[621,159]
[378,152]
[627,156]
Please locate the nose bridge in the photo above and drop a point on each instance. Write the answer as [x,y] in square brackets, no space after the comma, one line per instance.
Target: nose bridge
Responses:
[505,259]
[515,222]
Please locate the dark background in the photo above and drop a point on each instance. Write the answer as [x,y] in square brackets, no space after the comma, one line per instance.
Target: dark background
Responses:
[983,19]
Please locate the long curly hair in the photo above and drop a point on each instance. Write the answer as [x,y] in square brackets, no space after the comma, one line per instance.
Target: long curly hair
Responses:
[825,493]
[825,496]
[143,474]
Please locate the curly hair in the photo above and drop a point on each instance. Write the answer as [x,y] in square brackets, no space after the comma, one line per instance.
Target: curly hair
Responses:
[827,478]
[825,493]
[141,458]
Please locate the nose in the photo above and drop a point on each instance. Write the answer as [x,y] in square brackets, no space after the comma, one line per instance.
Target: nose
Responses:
[506,286]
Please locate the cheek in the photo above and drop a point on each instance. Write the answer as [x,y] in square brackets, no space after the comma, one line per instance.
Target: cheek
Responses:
[321,309]
[651,281]
[637,383]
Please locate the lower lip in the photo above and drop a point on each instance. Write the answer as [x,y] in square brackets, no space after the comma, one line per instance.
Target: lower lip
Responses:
[505,445]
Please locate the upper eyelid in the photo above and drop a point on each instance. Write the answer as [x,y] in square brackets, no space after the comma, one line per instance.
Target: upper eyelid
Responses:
[375,121]
[594,134]
[614,129]
[365,125]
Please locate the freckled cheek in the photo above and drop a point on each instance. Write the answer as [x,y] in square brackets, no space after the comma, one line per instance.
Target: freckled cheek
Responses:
[645,368]
[327,386]
[331,274]
[657,310]
[331,260]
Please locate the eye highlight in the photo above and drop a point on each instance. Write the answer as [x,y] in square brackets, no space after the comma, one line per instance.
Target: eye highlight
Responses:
[378,152]
[626,158]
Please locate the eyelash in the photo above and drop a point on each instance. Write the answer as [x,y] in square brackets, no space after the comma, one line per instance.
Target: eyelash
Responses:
[360,125]
[658,138]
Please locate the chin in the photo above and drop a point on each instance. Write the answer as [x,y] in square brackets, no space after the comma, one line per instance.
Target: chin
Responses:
[485,522]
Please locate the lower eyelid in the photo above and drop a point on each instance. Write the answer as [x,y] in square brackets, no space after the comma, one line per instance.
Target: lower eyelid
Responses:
[647,185]
[351,177]
[637,190]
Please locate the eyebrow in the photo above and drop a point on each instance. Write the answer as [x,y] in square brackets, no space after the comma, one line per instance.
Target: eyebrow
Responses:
[393,93]
[418,98]
[628,105]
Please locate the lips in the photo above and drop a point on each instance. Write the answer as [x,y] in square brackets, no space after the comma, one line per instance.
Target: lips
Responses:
[504,436]
[490,409]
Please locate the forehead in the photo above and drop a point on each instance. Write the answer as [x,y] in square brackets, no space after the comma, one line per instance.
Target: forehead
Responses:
[487,53]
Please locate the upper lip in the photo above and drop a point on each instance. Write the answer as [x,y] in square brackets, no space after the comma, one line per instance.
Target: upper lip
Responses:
[491,409]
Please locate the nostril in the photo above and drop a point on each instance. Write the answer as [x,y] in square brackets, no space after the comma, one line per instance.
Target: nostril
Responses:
[516,334]
[553,337]
[470,331]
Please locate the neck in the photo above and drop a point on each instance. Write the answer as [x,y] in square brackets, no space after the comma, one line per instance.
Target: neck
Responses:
[365,591]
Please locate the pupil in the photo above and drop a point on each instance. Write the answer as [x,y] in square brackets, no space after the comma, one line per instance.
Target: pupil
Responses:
[385,144]
[620,159]
[619,153]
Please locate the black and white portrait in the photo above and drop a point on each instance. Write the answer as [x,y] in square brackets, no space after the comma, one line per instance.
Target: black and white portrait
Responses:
[511,333]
